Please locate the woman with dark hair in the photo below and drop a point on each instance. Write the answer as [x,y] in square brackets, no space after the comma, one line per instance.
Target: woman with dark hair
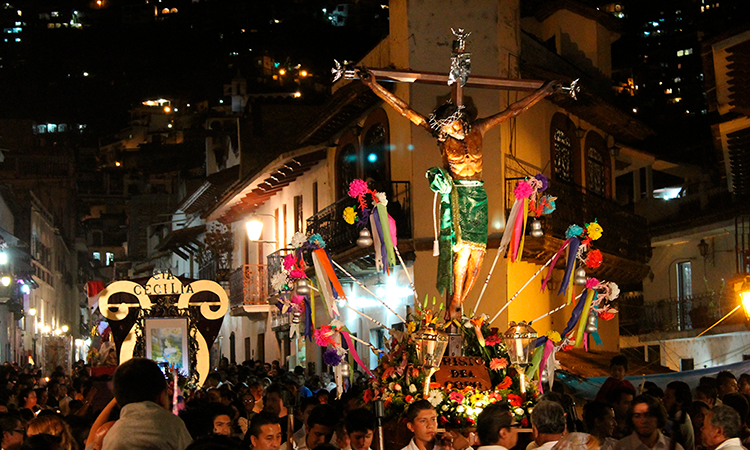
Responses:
[27,404]
[647,418]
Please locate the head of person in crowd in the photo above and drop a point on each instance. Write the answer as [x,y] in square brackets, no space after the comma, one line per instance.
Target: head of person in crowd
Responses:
[360,426]
[620,399]
[706,394]
[739,403]
[54,425]
[650,388]
[212,380]
[274,400]
[140,380]
[599,418]
[496,426]
[256,389]
[248,403]
[13,431]
[320,426]
[221,418]
[42,395]
[421,419]
[341,437]
[677,397]
[306,407]
[577,441]
[323,396]
[744,384]
[721,423]
[697,412]
[547,422]
[42,442]
[618,367]
[214,395]
[27,398]
[726,383]
[264,432]
[647,418]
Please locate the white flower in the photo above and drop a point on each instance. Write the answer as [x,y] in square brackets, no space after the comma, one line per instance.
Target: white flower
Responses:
[460,409]
[614,291]
[435,398]
[297,240]
[412,388]
[470,410]
[518,411]
[381,198]
[278,281]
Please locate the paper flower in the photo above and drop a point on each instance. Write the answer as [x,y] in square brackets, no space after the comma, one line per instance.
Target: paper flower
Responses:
[505,384]
[591,283]
[289,261]
[456,397]
[278,281]
[594,259]
[331,357]
[607,315]
[381,197]
[611,290]
[498,363]
[573,230]
[594,230]
[543,180]
[350,215]
[298,239]
[297,274]
[323,336]
[317,240]
[523,190]
[436,397]
[357,188]
[554,336]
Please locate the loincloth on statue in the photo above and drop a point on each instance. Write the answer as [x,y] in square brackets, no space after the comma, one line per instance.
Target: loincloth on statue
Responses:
[463,220]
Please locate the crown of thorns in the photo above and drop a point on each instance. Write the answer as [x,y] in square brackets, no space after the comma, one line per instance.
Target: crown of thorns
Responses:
[438,123]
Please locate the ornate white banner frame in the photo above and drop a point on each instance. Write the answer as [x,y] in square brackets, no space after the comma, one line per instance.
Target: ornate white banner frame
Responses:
[165,284]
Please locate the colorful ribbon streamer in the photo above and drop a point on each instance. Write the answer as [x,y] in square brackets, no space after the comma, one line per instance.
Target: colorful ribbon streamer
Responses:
[354,354]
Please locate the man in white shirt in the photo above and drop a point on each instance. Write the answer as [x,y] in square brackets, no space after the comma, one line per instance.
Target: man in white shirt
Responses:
[308,404]
[647,418]
[721,429]
[145,421]
[548,425]
[421,419]
[318,429]
[496,428]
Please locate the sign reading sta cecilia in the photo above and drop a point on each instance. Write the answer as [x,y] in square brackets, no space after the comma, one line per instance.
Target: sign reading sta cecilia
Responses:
[463,371]
[163,283]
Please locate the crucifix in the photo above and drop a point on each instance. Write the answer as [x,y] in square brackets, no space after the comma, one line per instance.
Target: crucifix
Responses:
[463,219]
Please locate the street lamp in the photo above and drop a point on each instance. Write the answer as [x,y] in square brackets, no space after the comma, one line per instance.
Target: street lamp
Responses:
[744,293]
[254,228]
[32,312]
[431,345]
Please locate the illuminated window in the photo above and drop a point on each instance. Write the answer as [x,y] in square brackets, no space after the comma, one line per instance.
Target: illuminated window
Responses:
[680,53]
[109,258]
[97,256]
[165,11]
[563,156]
[173,10]
[668,91]
[51,128]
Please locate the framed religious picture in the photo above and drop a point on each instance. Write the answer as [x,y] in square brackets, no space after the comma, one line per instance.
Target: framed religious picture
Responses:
[167,341]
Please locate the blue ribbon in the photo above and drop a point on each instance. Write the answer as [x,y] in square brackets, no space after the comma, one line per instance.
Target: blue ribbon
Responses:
[575,242]
[576,314]
[308,333]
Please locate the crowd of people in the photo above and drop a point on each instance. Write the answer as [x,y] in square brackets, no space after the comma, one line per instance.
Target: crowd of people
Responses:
[261,406]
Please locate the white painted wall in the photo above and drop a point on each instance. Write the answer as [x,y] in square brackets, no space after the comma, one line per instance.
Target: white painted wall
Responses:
[706,351]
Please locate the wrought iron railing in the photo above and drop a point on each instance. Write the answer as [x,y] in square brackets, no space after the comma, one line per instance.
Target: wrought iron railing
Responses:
[340,236]
[208,271]
[694,312]
[248,285]
[625,234]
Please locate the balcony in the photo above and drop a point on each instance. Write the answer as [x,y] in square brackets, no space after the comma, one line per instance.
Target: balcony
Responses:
[248,289]
[693,313]
[626,242]
[340,237]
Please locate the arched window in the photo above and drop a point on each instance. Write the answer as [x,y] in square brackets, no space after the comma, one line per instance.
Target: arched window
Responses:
[598,170]
[565,150]
[365,155]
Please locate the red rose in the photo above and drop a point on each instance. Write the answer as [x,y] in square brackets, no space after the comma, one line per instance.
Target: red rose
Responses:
[525,422]
[409,399]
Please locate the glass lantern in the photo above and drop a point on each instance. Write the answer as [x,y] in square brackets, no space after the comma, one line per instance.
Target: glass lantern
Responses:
[431,345]
[520,340]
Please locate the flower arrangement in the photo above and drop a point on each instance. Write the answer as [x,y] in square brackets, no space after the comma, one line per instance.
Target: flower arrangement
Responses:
[399,378]
[358,189]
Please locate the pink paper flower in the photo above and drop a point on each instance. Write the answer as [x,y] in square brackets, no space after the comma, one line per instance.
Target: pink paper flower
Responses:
[289,261]
[357,188]
[523,190]
[591,283]
[297,274]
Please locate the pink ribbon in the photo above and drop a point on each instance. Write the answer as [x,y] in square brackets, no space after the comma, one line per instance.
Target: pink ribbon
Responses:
[552,265]
[353,352]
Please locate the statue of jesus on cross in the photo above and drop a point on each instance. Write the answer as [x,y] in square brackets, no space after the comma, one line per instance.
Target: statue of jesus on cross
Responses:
[463,216]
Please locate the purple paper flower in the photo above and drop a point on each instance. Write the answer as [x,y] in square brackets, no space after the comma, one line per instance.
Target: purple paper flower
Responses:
[331,357]
[542,179]
[357,188]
